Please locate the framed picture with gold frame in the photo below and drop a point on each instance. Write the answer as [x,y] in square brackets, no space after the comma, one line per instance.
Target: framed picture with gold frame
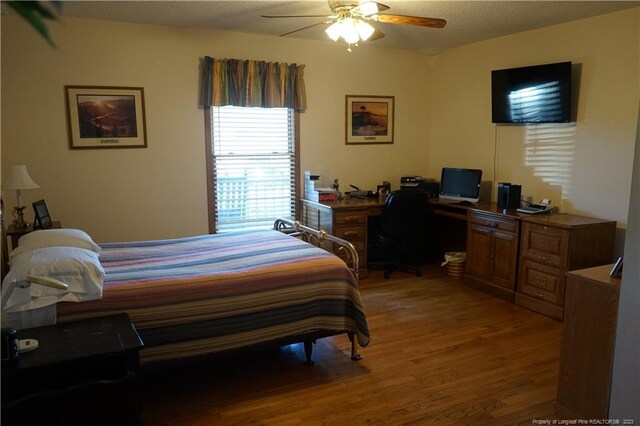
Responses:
[106,117]
[369,119]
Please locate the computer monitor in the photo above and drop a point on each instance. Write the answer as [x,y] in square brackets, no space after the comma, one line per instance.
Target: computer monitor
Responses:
[460,184]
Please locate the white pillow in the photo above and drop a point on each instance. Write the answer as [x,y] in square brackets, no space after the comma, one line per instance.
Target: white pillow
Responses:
[79,268]
[55,238]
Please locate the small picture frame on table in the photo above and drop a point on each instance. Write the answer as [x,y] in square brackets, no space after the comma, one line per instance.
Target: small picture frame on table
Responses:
[43,219]
[616,271]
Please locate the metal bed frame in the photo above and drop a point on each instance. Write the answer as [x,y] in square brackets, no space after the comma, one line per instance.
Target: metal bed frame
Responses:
[332,244]
[320,238]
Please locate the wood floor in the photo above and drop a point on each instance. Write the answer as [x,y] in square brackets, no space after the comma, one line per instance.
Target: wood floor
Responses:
[440,353]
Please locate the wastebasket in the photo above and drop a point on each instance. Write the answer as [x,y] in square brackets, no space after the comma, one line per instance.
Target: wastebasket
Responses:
[454,260]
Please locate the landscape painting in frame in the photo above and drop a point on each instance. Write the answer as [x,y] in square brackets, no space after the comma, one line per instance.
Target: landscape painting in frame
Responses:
[369,119]
[106,117]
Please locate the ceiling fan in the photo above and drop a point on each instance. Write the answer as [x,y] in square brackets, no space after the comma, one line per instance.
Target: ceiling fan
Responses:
[352,20]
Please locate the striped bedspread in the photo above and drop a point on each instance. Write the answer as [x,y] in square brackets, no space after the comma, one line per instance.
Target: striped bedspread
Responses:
[212,293]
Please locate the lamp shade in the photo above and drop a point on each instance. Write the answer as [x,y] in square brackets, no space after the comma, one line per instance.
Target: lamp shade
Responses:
[19,178]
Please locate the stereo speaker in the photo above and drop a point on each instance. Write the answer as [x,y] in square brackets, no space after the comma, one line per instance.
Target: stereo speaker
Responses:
[509,195]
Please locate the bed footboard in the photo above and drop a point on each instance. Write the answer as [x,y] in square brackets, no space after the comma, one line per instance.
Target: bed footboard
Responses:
[332,244]
[322,239]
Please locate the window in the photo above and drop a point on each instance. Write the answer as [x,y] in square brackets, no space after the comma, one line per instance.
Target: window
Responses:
[254,170]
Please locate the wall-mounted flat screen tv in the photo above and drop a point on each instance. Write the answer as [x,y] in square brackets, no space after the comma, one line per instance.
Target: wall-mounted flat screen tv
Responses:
[535,94]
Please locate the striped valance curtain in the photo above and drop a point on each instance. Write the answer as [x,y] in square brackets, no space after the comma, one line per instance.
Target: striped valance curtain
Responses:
[249,83]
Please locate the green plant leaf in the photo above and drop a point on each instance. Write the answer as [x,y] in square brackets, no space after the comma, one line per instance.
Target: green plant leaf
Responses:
[35,14]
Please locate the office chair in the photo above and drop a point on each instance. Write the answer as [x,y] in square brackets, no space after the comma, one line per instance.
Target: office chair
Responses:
[400,242]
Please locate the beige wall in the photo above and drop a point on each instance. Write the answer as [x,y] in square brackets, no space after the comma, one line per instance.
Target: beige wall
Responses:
[160,191]
[442,117]
[584,168]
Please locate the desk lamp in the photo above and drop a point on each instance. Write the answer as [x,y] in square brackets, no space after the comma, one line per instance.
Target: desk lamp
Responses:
[18,180]
[26,345]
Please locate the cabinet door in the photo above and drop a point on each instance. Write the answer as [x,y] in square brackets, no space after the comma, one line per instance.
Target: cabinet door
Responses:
[479,251]
[505,255]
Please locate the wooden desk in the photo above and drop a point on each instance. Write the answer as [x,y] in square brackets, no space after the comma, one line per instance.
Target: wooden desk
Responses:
[348,219]
[513,256]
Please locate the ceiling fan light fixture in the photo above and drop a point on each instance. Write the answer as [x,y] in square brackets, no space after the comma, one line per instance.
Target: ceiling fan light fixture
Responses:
[364,29]
[334,31]
[350,29]
[351,20]
[350,32]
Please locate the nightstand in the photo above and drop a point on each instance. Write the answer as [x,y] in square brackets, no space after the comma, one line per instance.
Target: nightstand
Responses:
[16,233]
[83,372]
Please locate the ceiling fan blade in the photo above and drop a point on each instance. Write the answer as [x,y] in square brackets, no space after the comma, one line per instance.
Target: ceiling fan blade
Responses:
[369,8]
[377,35]
[411,20]
[307,27]
[293,16]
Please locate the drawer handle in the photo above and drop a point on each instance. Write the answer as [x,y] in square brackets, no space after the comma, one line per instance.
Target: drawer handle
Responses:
[543,258]
[351,218]
[540,295]
[491,224]
[542,282]
[351,233]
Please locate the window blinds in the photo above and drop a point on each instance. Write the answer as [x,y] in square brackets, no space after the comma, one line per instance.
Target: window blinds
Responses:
[253,166]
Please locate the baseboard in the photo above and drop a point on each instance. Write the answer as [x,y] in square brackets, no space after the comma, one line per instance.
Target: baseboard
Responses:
[490,288]
[540,306]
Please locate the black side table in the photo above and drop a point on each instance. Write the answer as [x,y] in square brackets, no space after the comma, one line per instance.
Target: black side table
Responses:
[83,372]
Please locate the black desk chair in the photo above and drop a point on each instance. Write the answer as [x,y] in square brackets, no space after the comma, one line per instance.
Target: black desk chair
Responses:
[400,243]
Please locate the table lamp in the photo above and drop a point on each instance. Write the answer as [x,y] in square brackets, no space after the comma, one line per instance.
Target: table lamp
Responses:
[19,179]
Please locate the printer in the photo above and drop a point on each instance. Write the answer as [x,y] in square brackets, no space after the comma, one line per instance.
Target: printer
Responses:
[430,186]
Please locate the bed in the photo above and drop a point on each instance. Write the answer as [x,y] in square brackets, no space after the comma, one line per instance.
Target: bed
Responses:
[224,292]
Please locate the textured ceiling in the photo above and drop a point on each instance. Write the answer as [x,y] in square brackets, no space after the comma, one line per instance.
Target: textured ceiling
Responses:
[467,21]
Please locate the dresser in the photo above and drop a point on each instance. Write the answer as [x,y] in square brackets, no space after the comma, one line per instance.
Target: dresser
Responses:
[588,337]
[552,245]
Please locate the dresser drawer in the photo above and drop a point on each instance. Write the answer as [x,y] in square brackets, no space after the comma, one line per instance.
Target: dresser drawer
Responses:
[541,282]
[494,222]
[351,217]
[351,233]
[545,244]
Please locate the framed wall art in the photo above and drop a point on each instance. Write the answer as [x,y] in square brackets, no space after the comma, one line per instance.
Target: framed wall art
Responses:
[369,119]
[106,117]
